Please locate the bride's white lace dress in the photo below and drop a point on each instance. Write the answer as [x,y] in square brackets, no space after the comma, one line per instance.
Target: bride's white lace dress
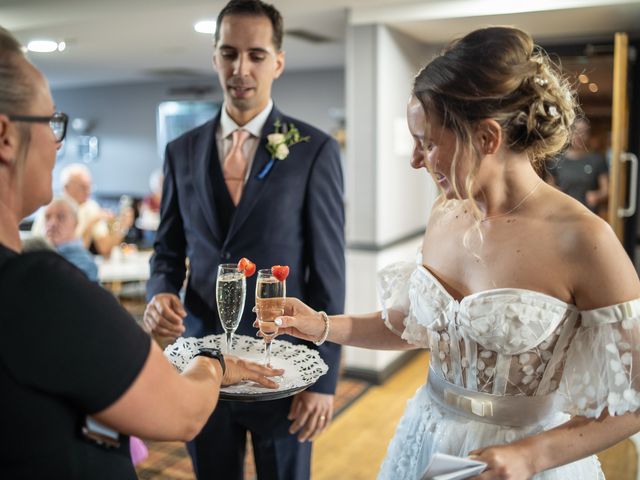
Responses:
[505,364]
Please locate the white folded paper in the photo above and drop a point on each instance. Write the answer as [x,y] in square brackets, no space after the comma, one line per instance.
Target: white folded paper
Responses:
[449,467]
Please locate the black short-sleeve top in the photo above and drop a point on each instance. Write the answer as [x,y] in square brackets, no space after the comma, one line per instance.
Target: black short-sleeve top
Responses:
[67,349]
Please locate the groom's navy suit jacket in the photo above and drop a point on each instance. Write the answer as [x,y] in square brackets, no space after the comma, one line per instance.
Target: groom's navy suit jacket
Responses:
[293,215]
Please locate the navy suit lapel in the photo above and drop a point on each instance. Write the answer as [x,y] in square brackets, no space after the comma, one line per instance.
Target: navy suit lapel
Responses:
[203,156]
[255,185]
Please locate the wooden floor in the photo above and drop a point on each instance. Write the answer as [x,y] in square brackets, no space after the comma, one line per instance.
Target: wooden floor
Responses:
[354,445]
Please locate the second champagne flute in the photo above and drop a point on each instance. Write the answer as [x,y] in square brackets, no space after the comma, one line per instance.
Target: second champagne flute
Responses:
[231,290]
[270,295]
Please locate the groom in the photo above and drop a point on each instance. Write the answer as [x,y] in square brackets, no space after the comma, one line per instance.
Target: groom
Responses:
[225,197]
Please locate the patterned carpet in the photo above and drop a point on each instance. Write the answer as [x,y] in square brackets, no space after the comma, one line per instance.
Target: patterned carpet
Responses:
[170,461]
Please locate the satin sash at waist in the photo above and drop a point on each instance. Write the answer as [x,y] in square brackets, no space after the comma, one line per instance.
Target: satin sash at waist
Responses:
[513,411]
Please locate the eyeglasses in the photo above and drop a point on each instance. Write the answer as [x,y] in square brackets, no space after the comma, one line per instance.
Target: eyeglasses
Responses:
[58,123]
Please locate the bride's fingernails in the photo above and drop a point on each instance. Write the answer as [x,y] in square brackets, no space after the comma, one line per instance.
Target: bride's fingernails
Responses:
[278,321]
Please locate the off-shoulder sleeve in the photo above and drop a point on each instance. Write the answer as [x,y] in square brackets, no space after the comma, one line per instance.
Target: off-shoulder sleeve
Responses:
[603,362]
[394,285]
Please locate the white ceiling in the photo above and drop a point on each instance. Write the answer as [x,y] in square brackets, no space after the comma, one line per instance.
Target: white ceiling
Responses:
[556,26]
[133,40]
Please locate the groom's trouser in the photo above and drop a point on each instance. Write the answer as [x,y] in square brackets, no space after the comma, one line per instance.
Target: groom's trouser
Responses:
[218,450]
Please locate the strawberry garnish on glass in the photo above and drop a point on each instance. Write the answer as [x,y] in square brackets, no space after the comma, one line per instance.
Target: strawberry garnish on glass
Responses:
[281,272]
[246,266]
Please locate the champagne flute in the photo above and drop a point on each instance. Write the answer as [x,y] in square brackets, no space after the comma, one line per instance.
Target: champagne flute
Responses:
[231,290]
[270,295]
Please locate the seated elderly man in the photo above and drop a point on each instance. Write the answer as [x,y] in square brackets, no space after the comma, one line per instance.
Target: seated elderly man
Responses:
[92,229]
[61,221]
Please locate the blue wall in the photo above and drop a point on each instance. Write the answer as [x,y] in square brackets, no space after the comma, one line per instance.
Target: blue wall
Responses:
[125,121]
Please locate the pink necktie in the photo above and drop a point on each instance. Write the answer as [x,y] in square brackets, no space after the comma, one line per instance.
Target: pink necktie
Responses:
[235,166]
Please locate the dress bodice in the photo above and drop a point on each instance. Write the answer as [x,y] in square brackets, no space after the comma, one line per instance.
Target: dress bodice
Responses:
[519,342]
[497,341]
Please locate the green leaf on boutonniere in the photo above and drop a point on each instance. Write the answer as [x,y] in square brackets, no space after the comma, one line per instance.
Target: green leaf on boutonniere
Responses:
[278,142]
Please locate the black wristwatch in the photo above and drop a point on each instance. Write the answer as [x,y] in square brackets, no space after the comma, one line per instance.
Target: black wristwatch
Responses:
[213,353]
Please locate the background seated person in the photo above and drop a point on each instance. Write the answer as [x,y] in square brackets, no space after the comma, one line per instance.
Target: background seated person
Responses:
[149,208]
[151,202]
[93,221]
[61,220]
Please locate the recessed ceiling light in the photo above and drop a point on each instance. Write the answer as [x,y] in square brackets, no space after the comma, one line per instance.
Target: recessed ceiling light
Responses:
[45,46]
[205,26]
[593,87]
[583,78]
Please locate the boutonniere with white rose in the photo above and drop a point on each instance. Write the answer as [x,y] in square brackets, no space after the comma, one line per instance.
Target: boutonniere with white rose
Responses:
[279,142]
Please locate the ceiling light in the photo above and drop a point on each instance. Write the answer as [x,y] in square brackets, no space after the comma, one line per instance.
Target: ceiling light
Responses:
[42,46]
[205,26]
[583,78]
[593,87]
[45,46]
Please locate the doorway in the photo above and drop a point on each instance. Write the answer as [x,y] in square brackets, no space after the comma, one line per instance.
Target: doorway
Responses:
[590,68]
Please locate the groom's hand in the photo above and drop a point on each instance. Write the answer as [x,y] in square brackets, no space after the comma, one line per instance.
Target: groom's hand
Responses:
[311,413]
[163,316]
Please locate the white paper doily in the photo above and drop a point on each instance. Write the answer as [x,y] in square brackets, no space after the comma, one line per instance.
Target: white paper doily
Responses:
[302,365]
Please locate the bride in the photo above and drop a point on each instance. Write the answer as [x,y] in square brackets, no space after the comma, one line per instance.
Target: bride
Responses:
[527,301]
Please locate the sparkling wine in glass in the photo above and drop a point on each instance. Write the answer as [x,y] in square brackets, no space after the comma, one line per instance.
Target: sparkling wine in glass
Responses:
[231,290]
[270,295]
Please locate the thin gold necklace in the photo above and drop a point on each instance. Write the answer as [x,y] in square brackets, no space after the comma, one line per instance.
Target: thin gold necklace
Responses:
[524,199]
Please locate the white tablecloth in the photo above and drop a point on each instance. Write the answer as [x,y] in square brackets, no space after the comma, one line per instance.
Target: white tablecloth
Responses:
[130,267]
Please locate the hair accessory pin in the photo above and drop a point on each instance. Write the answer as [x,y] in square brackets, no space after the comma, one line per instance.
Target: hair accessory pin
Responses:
[553,111]
[541,81]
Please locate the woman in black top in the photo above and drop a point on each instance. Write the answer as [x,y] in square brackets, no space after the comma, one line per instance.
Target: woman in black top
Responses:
[67,348]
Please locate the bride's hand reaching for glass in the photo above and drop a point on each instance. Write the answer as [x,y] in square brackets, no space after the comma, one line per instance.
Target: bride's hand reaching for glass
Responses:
[300,321]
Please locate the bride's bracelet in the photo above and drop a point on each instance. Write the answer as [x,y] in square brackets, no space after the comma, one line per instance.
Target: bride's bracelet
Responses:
[327,326]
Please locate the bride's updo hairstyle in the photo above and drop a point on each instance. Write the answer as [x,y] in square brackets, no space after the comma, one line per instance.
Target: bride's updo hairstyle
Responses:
[497,73]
